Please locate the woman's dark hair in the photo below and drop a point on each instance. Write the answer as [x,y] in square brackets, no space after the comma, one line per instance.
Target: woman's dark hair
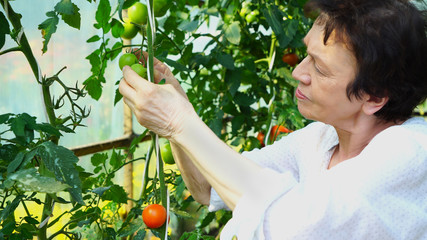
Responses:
[388,39]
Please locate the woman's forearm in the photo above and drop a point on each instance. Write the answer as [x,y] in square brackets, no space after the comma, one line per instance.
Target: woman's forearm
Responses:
[227,171]
[196,183]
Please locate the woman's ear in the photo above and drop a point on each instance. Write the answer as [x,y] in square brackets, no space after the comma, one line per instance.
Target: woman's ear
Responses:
[373,104]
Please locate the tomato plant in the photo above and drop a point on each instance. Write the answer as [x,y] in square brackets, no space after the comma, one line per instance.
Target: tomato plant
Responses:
[261,137]
[154,215]
[138,13]
[127,59]
[290,58]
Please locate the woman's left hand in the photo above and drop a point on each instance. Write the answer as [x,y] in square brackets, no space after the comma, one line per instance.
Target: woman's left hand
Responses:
[160,108]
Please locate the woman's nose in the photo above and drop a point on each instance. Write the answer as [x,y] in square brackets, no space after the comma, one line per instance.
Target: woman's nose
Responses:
[301,72]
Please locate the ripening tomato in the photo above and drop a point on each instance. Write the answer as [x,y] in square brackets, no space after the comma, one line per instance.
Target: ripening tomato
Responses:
[154,215]
[291,59]
[138,13]
[130,30]
[127,59]
[140,70]
[276,130]
[260,138]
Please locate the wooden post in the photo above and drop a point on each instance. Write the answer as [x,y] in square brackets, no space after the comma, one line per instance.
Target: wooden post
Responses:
[127,129]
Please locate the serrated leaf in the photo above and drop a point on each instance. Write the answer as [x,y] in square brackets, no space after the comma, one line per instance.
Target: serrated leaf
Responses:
[93,87]
[29,180]
[47,128]
[116,193]
[103,12]
[98,159]
[73,20]
[232,32]
[65,7]
[48,27]
[61,161]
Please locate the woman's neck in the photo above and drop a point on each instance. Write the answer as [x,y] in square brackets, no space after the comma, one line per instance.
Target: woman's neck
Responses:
[353,140]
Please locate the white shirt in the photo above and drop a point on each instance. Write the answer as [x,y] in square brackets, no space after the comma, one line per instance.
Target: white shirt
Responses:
[380,194]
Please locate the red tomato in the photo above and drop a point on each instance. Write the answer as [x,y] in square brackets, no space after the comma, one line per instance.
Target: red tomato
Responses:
[260,138]
[154,215]
[291,59]
[276,130]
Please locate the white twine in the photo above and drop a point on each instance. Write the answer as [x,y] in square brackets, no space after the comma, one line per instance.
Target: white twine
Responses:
[153,31]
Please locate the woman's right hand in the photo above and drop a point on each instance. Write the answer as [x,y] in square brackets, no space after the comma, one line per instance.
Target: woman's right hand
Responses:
[161,71]
[161,108]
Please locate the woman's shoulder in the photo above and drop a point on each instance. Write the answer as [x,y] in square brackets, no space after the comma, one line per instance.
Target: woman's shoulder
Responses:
[412,134]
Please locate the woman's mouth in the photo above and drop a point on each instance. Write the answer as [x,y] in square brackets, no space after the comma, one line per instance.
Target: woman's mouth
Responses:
[300,95]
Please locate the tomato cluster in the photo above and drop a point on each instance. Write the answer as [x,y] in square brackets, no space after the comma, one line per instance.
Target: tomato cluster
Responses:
[129,59]
[275,131]
[249,15]
[138,15]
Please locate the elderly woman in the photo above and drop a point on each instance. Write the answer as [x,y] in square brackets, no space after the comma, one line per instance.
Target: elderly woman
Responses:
[358,172]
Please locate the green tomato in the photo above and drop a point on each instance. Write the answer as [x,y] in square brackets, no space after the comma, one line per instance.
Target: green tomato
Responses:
[127,59]
[166,153]
[141,70]
[138,13]
[130,30]
[252,16]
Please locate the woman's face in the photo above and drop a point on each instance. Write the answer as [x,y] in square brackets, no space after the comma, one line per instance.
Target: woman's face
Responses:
[323,78]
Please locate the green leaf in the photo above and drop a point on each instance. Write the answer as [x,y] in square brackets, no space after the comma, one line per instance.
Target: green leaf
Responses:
[93,87]
[243,99]
[61,161]
[116,28]
[225,60]
[100,190]
[98,159]
[47,128]
[10,207]
[5,117]
[4,29]
[174,64]
[94,38]
[73,20]
[140,235]
[117,97]
[102,15]
[116,193]
[8,152]
[232,32]
[19,158]
[29,180]
[65,7]
[48,27]
[131,228]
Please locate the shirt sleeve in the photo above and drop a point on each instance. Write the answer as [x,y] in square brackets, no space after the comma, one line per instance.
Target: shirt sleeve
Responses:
[281,156]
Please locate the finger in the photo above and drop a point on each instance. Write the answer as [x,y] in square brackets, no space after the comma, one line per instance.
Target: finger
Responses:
[126,90]
[133,79]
